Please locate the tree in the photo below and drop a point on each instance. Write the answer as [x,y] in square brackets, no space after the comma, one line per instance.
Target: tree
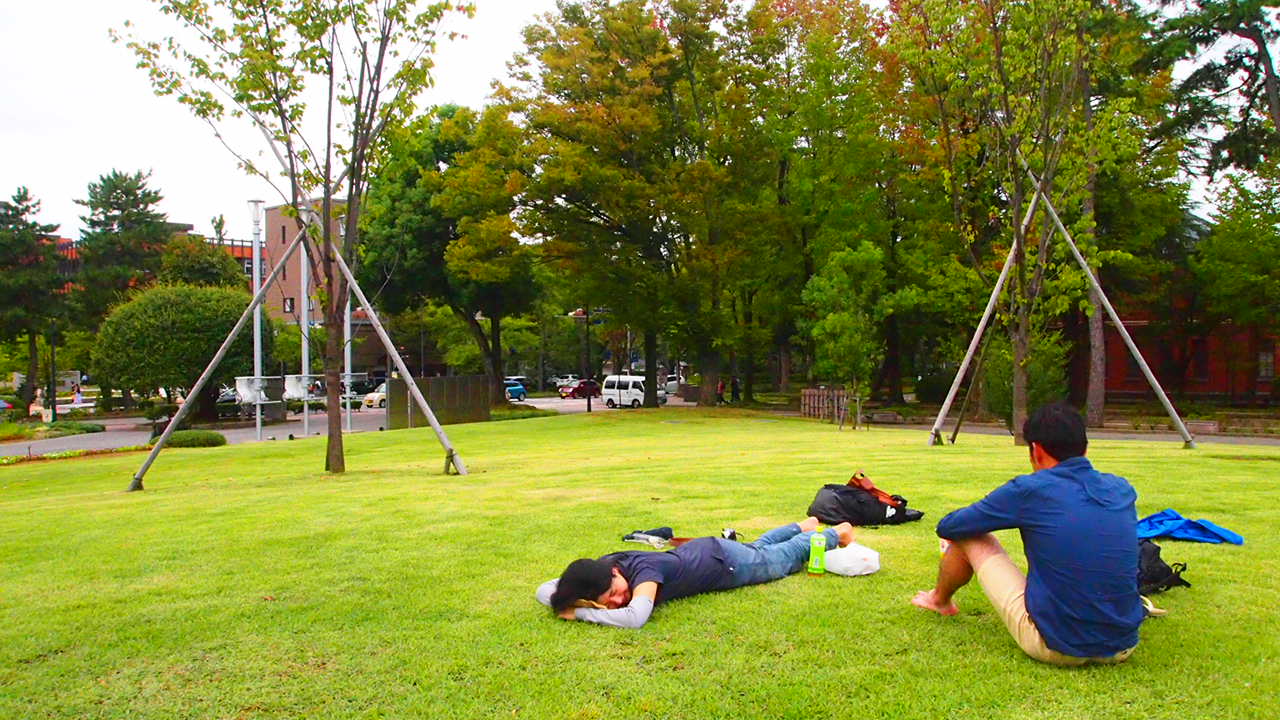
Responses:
[320,82]
[192,260]
[842,297]
[30,287]
[120,247]
[439,228]
[165,336]
[1228,99]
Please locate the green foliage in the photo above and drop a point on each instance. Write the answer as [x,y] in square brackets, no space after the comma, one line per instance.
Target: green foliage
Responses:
[196,438]
[1238,264]
[1046,373]
[165,337]
[28,268]
[191,260]
[842,296]
[122,242]
[71,427]
[156,411]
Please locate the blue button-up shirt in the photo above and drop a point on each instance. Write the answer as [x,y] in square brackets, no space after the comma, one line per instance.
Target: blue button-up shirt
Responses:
[1079,530]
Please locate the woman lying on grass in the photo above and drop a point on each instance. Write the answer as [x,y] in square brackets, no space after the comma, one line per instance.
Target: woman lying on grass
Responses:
[621,589]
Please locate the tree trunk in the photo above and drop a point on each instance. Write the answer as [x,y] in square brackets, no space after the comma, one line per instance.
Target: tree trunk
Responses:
[1096,395]
[784,367]
[206,404]
[650,368]
[335,460]
[495,349]
[709,365]
[891,369]
[1021,344]
[33,369]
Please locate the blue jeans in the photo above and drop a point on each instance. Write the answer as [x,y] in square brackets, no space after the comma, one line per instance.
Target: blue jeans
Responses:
[776,554]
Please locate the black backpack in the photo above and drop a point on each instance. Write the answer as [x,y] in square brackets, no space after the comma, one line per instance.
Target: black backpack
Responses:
[1156,575]
[835,504]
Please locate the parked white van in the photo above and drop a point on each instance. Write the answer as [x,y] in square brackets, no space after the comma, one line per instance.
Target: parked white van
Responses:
[627,390]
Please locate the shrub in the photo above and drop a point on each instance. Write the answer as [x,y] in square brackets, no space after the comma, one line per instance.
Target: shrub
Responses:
[72,427]
[932,387]
[196,438]
[13,415]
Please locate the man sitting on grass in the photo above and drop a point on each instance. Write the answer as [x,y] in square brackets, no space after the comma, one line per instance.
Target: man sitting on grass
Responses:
[621,589]
[1079,602]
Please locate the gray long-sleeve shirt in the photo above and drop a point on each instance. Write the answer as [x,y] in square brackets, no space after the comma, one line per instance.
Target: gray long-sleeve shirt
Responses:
[634,615]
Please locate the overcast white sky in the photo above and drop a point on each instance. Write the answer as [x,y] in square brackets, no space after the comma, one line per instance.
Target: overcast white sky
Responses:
[73,107]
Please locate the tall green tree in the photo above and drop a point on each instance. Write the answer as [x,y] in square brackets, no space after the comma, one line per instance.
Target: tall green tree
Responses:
[31,289]
[120,247]
[1230,101]
[438,226]
[320,82]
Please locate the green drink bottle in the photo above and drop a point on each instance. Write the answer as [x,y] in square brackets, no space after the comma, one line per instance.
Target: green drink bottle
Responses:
[817,553]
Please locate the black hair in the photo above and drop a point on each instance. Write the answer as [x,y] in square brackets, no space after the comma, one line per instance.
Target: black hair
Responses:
[1058,429]
[584,579]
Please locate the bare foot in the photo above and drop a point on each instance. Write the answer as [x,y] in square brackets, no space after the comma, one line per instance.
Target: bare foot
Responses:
[845,532]
[808,524]
[926,599]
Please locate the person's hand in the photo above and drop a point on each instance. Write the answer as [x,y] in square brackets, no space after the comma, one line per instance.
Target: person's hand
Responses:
[567,614]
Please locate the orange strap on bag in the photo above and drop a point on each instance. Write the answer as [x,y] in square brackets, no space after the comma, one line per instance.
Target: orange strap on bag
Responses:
[860,480]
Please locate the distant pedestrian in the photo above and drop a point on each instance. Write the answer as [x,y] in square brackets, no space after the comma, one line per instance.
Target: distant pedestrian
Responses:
[735,387]
[77,396]
[720,392]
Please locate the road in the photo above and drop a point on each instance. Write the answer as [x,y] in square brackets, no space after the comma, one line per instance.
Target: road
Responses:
[125,432]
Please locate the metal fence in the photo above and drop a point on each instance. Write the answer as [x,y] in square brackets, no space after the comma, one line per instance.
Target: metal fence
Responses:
[453,399]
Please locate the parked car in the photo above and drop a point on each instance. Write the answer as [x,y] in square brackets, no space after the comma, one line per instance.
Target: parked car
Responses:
[377,398]
[627,390]
[228,395]
[673,384]
[4,405]
[561,380]
[515,391]
[580,389]
[519,379]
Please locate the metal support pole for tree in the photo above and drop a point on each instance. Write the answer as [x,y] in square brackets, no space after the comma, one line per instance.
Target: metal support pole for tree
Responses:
[451,456]
[257,315]
[935,434]
[304,325]
[1188,442]
[213,364]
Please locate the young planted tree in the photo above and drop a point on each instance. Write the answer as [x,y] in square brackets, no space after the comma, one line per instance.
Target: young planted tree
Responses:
[30,287]
[320,82]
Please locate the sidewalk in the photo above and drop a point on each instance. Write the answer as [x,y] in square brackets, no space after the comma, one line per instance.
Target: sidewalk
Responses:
[130,431]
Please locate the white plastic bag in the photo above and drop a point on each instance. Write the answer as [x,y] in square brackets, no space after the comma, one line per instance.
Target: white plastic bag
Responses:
[852,560]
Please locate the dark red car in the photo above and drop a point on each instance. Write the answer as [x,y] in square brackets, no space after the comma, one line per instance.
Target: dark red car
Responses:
[580,389]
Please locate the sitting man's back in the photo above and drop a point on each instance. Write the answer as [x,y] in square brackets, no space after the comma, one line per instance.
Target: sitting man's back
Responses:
[1079,601]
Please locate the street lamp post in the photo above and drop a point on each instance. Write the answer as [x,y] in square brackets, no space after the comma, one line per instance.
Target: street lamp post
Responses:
[583,315]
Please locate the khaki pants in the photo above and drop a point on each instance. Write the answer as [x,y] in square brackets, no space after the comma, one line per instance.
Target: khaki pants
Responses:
[1006,588]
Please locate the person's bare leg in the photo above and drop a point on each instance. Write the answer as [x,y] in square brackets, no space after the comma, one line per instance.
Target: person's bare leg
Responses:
[955,570]
[845,532]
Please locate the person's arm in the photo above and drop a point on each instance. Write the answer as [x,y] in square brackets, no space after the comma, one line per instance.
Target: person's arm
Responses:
[634,615]
[999,510]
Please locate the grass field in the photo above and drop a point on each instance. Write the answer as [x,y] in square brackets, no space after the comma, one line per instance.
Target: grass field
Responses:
[244,583]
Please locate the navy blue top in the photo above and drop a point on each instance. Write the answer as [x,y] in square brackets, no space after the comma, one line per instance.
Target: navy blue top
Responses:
[697,566]
[1079,530]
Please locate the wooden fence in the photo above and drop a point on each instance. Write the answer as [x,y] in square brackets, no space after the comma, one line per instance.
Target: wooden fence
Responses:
[827,404]
[453,399]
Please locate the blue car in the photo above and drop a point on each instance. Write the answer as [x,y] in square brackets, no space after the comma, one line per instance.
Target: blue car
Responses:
[515,391]
[5,405]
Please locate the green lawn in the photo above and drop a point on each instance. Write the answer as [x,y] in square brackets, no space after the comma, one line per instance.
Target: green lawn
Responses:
[245,583]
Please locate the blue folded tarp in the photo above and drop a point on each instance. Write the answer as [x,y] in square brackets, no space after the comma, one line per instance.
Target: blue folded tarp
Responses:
[1168,523]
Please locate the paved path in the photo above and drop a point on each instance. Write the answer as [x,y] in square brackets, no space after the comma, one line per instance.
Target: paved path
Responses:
[124,432]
